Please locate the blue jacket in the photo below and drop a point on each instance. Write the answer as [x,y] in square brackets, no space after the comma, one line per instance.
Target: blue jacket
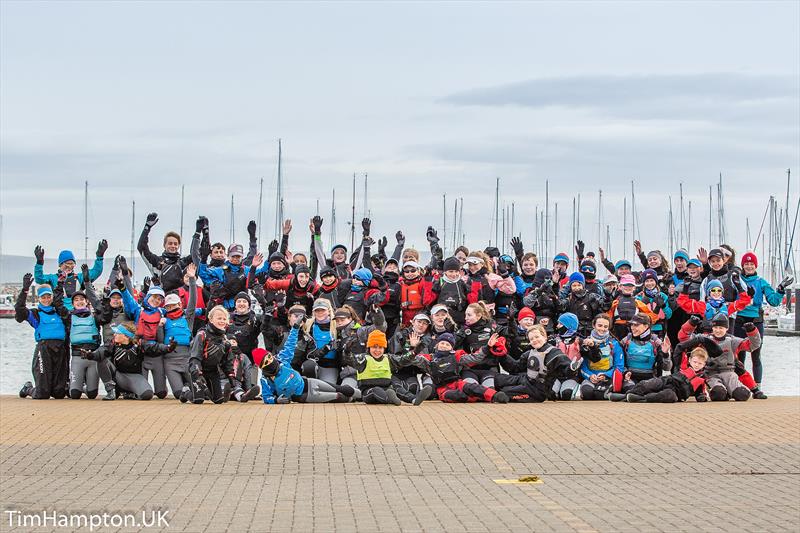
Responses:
[764,291]
[47,323]
[134,310]
[211,274]
[522,285]
[52,279]
[287,382]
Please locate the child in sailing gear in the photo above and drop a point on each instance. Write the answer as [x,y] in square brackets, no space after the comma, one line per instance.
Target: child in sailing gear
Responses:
[211,359]
[281,384]
[626,306]
[655,300]
[123,359]
[478,329]
[177,325]
[542,298]
[451,290]
[754,312]
[566,338]
[678,387]
[51,357]
[726,375]
[445,366]
[147,318]
[543,372]
[375,372]
[603,362]
[646,355]
[415,339]
[715,302]
[580,302]
[169,266]
[66,271]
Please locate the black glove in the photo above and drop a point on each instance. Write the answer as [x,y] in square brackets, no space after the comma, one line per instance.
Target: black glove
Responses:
[751,291]
[85,272]
[431,235]
[502,270]
[251,230]
[579,249]
[736,278]
[273,247]
[156,281]
[695,320]
[146,284]
[401,239]
[317,223]
[38,252]
[152,218]
[516,244]
[119,283]
[749,327]
[785,282]
[365,225]
[711,347]
[27,281]
[172,345]
[86,354]
[205,250]
[681,288]
[298,324]
[123,266]
[102,246]
[382,246]
[280,299]
[198,226]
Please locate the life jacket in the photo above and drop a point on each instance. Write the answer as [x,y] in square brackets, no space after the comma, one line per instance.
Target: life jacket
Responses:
[321,338]
[233,281]
[245,329]
[444,369]
[606,358]
[729,291]
[213,350]
[625,309]
[83,330]
[178,329]
[200,303]
[712,311]
[454,296]
[147,325]
[170,271]
[480,288]
[71,285]
[50,327]
[696,381]
[127,359]
[117,317]
[412,295]
[640,356]
[725,362]
[376,373]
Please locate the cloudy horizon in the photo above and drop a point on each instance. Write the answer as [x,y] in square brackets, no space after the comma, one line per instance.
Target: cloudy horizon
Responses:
[428,99]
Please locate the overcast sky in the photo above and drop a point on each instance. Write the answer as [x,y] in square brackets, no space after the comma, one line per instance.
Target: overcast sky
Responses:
[139,98]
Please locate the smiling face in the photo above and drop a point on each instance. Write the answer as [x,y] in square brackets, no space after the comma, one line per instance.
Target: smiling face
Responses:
[338,256]
[321,315]
[67,267]
[650,283]
[527,322]
[235,260]
[46,299]
[452,275]
[172,245]
[420,326]
[342,321]
[601,325]
[444,346]
[410,273]
[155,300]
[627,290]
[536,338]
[173,307]
[376,351]
[749,268]
[715,262]
[219,320]
[218,253]
[302,279]
[300,259]
[438,318]
[623,270]
[470,316]
[719,331]
[79,302]
[638,329]
[115,301]
[680,264]
[391,267]
[242,306]
[461,256]
[119,338]
[529,267]
[697,363]
[654,261]
[328,279]
[474,268]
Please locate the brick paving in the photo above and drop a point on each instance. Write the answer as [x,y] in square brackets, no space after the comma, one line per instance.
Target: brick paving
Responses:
[604,467]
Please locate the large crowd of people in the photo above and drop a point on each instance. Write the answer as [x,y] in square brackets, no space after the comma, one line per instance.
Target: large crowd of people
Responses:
[225,323]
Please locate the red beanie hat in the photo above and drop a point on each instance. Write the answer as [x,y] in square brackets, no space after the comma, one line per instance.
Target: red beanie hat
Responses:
[258,356]
[750,257]
[526,312]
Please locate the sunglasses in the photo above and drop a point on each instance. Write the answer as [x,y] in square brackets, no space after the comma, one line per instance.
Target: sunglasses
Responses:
[715,290]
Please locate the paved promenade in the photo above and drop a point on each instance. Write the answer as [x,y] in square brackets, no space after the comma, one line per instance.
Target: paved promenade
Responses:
[603,467]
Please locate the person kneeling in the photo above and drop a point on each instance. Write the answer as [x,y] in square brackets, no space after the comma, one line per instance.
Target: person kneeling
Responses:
[677,387]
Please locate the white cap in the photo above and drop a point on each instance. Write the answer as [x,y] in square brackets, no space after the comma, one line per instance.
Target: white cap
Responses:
[412,264]
[438,307]
[611,278]
[474,260]
[172,299]
[423,316]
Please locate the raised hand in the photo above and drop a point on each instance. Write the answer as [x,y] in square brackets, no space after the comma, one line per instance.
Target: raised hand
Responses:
[152,218]
[251,229]
[85,272]
[123,265]
[413,340]
[431,235]
[38,252]
[27,281]
[191,270]
[287,226]
[273,247]
[602,254]
[637,246]
[516,244]
[258,260]
[401,239]
[382,245]
[199,224]
[702,255]
[579,247]
[316,225]
[785,282]
[366,224]
[102,246]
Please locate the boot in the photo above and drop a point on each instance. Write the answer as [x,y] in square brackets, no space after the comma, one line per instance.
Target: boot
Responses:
[111,391]
[423,394]
[26,390]
[617,397]
[345,390]
[758,394]
[251,394]
[634,398]
[500,397]
[392,395]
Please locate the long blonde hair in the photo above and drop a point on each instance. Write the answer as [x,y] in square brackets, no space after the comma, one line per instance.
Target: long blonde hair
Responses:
[310,322]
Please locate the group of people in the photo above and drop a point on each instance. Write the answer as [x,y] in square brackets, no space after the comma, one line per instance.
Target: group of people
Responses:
[363,325]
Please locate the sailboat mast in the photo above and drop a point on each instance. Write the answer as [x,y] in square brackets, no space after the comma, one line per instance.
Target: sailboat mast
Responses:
[182,191]
[496,210]
[366,206]
[682,221]
[786,213]
[547,219]
[133,230]
[624,223]
[260,199]
[86,221]
[279,192]
[555,229]
[333,218]
[232,228]
[353,217]
[444,224]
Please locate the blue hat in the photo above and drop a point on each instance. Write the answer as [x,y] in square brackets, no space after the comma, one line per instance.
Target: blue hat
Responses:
[364,275]
[577,276]
[648,274]
[155,291]
[44,289]
[505,258]
[714,284]
[569,321]
[621,263]
[122,330]
[65,255]
[447,337]
[683,254]
[561,257]
[342,246]
[695,262]
[113,292]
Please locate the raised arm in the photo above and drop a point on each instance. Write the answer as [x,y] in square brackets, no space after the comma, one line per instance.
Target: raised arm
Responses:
[143,246]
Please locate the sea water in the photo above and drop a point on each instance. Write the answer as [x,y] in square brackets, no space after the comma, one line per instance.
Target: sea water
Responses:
[780,357]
